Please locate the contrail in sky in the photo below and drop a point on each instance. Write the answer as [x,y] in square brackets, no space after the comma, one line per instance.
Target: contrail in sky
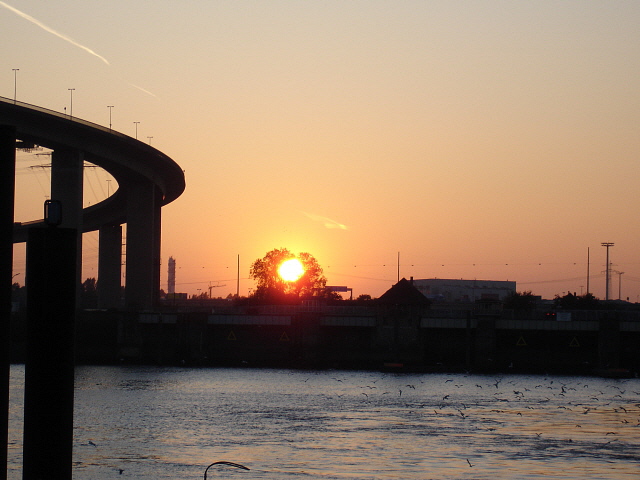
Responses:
[327,222]
[52,31]
[143,90]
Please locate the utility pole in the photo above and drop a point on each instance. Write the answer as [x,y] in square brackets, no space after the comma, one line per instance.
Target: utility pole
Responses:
[608,269]
[588,268]
[619,273]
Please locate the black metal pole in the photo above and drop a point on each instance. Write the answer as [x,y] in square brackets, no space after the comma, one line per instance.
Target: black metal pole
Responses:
[7,192]
[49,367]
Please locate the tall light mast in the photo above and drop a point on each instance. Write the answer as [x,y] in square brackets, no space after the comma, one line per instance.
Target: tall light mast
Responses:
[608,269]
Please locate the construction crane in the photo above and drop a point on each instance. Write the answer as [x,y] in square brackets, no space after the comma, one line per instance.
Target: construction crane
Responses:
[214,286]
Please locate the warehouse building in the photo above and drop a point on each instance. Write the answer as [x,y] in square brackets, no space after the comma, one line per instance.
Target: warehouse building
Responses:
[464,291]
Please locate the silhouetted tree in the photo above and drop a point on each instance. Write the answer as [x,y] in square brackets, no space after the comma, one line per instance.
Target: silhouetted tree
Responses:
[271,287]
[89,293]
[330,294]
[521,301]
[364,297]
[18,293]
[571,301]
[16,290]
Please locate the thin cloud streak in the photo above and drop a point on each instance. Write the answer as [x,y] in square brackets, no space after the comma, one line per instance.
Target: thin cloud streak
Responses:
[327,222]
[52,31]
[143,90]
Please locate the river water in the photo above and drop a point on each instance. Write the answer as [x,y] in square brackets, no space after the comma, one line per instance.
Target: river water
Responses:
[171,423]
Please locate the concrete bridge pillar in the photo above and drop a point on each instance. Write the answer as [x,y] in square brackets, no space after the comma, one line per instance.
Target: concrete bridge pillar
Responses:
[109,266]
[66,185]
[67,175]
[143,246]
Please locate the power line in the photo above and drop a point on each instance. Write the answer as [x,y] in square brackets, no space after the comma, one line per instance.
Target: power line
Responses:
[574,279]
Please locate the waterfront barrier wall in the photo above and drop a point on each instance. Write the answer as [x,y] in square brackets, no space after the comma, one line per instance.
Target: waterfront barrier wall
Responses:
[372,338]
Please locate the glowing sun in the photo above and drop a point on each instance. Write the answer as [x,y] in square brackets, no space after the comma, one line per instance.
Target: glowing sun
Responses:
[291,270]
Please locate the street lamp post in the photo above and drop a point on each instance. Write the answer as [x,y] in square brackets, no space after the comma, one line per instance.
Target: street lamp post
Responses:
[620,285]
[149,138]
[15,83]
[109,107]
[136,129]
[71,103]
[607,270]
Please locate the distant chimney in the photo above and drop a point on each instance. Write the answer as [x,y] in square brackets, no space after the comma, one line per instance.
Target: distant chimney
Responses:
[411,280]
[171,280]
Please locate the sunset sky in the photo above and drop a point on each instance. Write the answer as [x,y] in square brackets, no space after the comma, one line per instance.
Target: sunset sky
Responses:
[470,139]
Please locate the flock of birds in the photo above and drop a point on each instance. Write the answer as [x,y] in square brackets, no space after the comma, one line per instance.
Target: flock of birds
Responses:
[559,410]
[587,409]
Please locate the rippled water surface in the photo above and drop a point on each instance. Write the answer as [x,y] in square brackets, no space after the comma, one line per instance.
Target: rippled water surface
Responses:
[170,423]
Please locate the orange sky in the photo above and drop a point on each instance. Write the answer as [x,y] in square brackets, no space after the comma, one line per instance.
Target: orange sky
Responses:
[490,139]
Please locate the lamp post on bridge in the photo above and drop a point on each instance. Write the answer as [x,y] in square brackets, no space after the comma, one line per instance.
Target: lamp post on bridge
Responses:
[15,83]
[71,104]
[109,107]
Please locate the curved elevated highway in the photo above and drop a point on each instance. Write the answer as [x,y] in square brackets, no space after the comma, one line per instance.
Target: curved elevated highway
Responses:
[147,180]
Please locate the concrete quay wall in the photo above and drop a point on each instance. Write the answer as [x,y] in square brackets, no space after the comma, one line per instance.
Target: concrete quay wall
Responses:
[371,338]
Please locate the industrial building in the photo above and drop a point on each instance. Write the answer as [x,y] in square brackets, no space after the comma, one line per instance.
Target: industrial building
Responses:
[464,291]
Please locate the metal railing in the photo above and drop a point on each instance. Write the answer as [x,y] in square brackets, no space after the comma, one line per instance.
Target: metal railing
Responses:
[65,116]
